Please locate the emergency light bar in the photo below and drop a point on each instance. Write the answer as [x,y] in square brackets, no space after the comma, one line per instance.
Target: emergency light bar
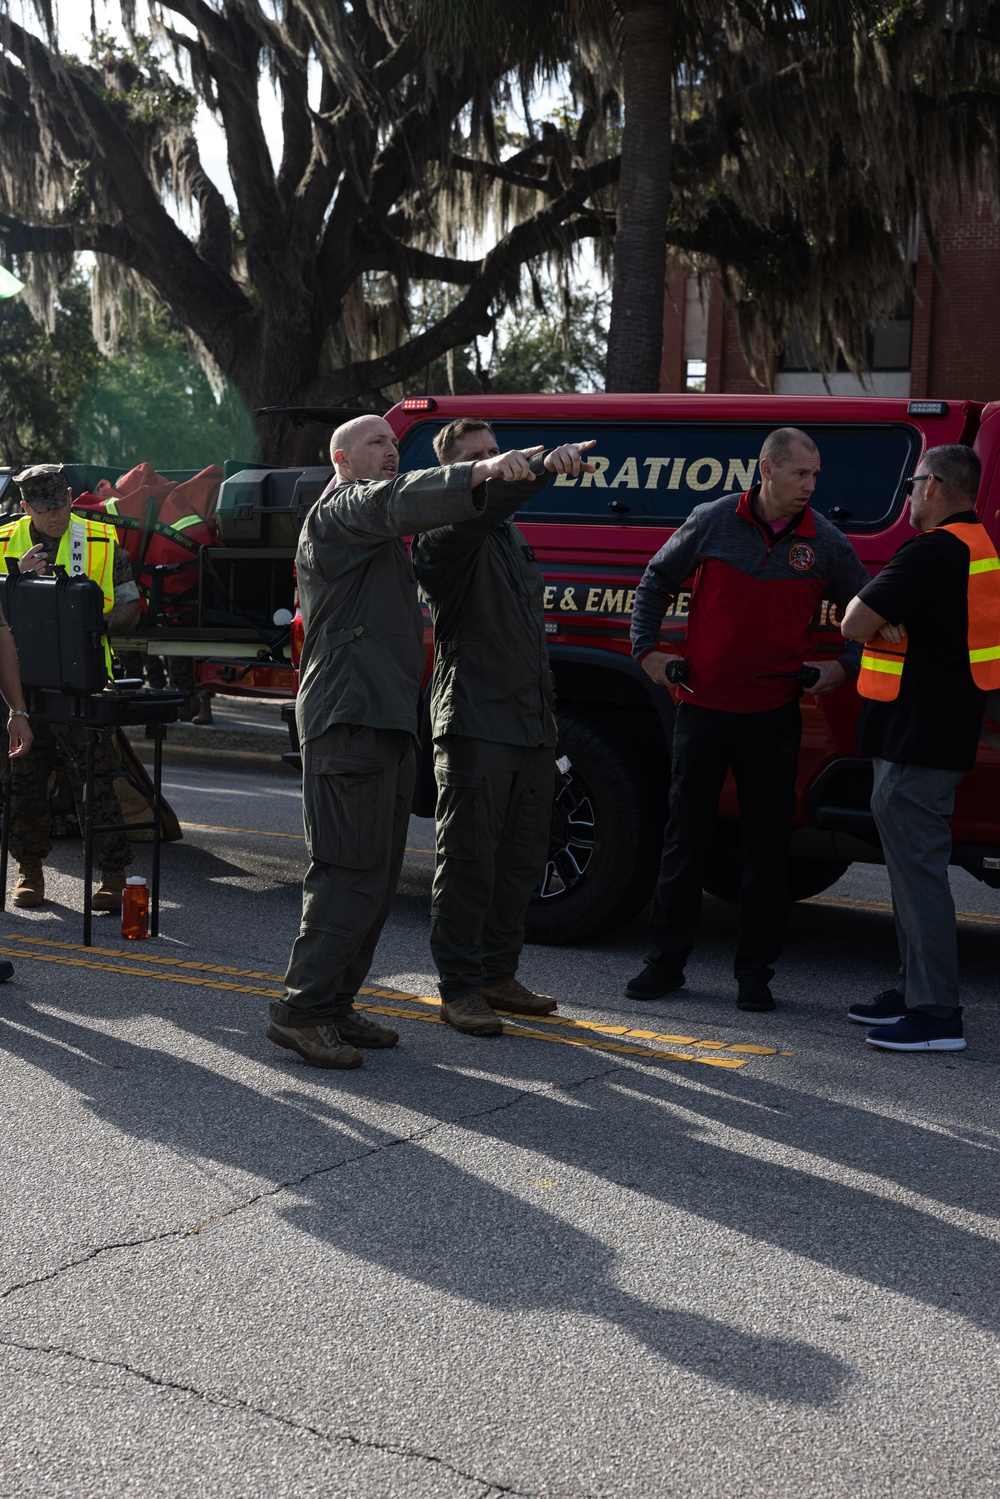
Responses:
[419,403]
[927,408]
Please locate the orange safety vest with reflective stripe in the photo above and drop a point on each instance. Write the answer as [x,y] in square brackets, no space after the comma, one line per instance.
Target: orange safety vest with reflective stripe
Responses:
[882,661]
[87,547]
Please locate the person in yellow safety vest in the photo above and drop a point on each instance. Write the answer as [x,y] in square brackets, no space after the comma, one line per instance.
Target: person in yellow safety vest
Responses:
[931,626]
[48,534]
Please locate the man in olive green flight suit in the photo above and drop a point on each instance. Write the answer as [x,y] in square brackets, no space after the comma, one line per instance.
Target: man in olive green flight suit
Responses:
[494,741]
[359,687]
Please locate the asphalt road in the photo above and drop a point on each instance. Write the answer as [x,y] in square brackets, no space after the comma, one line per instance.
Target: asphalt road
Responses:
[544,1264]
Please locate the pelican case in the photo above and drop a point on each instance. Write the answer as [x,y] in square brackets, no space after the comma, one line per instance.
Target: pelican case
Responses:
[58,628]
[265,507]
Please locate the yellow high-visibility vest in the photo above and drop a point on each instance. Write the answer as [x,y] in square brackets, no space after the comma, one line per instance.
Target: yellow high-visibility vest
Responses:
[86,548]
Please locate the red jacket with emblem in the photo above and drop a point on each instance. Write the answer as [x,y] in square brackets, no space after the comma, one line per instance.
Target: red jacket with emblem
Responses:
[755,595]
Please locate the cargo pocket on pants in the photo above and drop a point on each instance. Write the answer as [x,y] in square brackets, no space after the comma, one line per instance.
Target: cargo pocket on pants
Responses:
[343,810]
[461,815]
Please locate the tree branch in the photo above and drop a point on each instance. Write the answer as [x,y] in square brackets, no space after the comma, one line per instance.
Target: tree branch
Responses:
[472,317]
[232,55]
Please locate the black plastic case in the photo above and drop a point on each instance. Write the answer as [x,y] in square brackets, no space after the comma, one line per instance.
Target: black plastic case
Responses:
[57,624]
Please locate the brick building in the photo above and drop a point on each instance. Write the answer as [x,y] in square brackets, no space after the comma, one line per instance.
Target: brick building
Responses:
[945,341]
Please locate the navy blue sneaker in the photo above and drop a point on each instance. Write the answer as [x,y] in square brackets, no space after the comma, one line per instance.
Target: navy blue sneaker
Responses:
[885,1009]
[918,1031]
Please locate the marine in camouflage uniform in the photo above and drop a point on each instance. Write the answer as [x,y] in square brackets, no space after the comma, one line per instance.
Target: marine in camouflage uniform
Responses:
[64,747]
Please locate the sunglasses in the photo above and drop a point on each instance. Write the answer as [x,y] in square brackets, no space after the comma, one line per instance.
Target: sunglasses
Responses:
[918,479]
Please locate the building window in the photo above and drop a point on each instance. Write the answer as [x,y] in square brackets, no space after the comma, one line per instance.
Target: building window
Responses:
[887,345]
[697,369]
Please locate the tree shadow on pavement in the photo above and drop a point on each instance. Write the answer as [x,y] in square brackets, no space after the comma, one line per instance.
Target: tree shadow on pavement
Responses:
[646,1133]
[526,1257]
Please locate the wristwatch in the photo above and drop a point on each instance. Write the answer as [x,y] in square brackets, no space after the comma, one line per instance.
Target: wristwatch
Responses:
[18,713]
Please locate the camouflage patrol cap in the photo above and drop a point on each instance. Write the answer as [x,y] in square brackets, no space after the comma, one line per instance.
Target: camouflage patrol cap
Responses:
[43,486]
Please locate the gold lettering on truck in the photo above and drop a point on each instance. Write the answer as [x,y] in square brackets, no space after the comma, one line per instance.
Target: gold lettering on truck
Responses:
[628,475]
[654,465]
[694,481]
[740,475]
[597,477]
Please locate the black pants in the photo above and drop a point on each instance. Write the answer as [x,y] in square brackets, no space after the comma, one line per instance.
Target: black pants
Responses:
[763,751]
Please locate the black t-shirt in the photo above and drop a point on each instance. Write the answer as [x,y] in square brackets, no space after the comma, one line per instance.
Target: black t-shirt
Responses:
[936,719]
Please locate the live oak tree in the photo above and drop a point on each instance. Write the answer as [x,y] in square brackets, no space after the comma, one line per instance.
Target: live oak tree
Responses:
[791,145]
[301,296]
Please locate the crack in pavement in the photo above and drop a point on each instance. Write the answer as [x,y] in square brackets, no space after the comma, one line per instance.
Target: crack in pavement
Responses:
[277,1188]
[489,1486]
[233,1402]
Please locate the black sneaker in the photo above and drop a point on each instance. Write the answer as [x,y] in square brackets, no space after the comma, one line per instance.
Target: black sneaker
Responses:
[655,980]
[918,1031]
[885,1009]
[755,992]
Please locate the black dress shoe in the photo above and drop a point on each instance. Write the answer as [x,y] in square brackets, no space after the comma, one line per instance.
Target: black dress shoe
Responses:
[654,981]
[755,992]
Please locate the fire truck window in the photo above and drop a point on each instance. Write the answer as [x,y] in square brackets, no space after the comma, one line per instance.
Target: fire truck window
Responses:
[654,473]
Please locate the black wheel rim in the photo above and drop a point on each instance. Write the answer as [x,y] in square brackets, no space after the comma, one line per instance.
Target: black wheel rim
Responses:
[573,841]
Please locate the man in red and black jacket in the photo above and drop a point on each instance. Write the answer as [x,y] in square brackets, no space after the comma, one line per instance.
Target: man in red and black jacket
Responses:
[762,563]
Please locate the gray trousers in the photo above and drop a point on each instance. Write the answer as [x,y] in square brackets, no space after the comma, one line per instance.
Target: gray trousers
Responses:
[357,789]
[911,805]
[494,812]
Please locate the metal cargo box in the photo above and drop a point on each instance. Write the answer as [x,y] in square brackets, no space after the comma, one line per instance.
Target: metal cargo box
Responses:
[266,506]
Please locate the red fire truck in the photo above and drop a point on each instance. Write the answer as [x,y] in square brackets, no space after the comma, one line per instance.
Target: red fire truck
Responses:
[656,457]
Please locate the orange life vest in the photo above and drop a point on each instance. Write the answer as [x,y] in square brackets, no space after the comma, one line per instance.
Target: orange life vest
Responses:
[882,661]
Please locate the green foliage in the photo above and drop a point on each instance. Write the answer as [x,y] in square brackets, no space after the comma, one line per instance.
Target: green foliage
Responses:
[44,376]
[61,400]
[536,349]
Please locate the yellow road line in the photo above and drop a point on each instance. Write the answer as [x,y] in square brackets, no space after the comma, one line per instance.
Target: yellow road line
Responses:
[143,957]
[588,1025]
[146,973]
[140,955]
[215,983]
[218,827]
[886,905]
[516,1030]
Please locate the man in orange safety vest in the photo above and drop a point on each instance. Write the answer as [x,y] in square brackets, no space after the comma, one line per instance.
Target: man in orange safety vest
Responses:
[931,626]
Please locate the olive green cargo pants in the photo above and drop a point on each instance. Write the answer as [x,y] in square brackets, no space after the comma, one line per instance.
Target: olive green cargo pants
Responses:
[357,789]
[494,811]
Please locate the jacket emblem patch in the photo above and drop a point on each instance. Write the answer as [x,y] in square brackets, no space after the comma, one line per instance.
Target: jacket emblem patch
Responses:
[801,556]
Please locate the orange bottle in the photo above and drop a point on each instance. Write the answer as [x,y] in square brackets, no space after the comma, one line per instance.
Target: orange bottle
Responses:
[135,908]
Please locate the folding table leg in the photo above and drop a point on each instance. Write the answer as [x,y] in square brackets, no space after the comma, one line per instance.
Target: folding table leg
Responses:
[5,836]
[88,838]
[154,902]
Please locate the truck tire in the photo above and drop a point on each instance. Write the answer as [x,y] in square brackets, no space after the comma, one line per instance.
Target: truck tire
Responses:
[607,828]
[806,877]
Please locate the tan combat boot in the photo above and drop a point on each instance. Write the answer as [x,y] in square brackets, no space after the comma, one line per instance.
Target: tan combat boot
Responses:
[319,1045]
[108,895]
[30,888]
[513,998]
[471,1014]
